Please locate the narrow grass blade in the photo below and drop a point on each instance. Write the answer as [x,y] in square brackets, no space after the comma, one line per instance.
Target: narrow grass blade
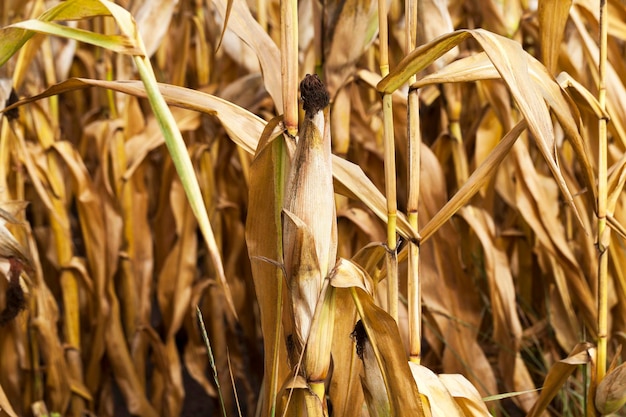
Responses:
[209,351]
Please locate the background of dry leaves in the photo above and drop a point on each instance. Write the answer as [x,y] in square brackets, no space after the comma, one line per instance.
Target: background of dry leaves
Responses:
[509,284]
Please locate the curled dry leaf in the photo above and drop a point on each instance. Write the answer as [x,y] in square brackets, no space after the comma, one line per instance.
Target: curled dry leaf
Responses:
[611,391]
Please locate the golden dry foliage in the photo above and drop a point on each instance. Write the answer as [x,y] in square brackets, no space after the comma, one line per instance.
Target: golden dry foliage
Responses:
[285,248]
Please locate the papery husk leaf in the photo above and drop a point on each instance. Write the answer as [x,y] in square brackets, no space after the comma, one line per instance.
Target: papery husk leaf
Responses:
[582,354]
[297,400]
[382,332]
[303,273]
[319,343]
[309,194]
[345,391]
[373,381]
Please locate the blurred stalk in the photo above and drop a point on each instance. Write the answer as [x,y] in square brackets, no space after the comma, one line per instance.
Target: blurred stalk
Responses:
[318,37]
[59,221]
[289,63]
[131,304]
[604,233]
[414,142]
[390,167]
[453,107]
[261,13]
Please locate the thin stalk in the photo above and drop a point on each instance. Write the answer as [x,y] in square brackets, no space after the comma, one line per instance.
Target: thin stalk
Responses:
[414,142]
[390,167]
[603,231]
[209,351]
[289,63]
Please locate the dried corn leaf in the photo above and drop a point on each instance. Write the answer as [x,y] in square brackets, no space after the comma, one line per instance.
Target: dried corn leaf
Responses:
[552,19]
[479,177]
[153,20]
[9,246]
[430,386]
[5,405]
[465,394]
[511,61]
[531,190]
[263,231]
[356,20]
[244,128]
[558,374]
[244,26]
[507,330]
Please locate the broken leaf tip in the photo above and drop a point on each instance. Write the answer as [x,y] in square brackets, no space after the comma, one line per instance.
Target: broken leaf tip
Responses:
[314,94]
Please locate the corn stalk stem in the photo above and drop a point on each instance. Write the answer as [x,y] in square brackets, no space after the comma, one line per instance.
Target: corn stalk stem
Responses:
[413,280]
[603,230]
[414,143]
[390,167]
[289,63]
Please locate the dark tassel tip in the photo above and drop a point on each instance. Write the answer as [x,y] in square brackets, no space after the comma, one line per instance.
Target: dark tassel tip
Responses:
[314,94]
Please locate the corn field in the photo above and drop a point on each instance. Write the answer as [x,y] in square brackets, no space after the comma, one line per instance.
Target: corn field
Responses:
[340,208]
